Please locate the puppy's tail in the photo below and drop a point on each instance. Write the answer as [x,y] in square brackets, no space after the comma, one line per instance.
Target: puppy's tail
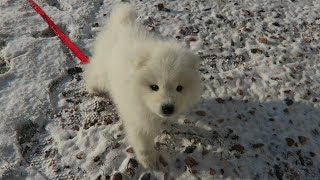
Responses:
[122,14]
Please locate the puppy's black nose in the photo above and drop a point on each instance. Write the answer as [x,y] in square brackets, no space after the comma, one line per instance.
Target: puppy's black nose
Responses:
[167,109]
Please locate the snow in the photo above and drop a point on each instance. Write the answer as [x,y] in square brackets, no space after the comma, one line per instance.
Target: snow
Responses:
[259,117]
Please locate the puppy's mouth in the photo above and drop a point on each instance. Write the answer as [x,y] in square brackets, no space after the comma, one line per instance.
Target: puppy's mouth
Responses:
[165,116]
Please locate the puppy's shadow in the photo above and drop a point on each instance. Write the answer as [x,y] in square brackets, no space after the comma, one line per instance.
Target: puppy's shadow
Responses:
[243,139]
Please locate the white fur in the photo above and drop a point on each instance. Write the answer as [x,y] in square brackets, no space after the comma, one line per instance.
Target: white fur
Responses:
[127,60]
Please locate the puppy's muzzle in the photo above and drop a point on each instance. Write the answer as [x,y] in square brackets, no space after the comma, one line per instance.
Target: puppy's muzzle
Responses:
[167,109]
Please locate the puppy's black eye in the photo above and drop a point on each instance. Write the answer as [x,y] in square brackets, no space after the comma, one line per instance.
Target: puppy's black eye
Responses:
[154,87]
[179,88]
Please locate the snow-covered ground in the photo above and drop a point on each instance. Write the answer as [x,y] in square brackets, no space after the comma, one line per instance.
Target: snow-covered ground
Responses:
[259,117]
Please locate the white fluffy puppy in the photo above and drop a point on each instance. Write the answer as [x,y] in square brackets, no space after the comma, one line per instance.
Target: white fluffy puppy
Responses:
[149,79]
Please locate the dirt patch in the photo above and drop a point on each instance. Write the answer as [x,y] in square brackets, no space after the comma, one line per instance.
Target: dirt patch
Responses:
[26,131]
[4,65]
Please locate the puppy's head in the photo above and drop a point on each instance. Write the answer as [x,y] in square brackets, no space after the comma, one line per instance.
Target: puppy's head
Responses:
[168,81]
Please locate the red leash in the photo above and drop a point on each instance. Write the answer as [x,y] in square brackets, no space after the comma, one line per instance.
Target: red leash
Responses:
[75,50]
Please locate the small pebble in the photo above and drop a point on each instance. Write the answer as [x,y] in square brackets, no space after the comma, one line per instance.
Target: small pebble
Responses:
[212,172]
[276,24]
[235,137]
[237,147]
[117,176]
[160,6]
[303,140]
[187,121]
[190,149]
[183,32]
[208,22]
[201,113]
[96,159]
[195,140]
[312,154]
[290,141]
[240,92]
[219,16]
[263,40]
[133,163]
[257,145]
[221,171]
[220,100]
[74,70]
[80,155]
[130,150]
[190,39]
[95,25]
[288,102]
[115,145]
[190,161]
[256,50]
[287,91]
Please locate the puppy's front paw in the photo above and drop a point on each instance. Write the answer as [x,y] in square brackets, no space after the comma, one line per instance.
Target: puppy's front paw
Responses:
[149,160]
